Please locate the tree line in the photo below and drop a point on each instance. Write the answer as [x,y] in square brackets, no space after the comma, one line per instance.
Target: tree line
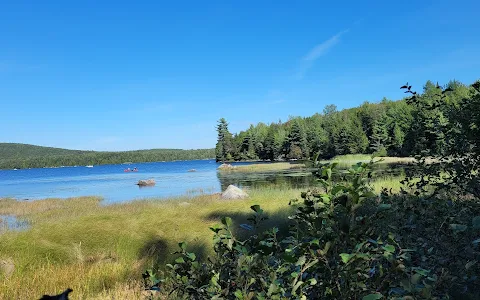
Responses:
[393,128]
[82,158]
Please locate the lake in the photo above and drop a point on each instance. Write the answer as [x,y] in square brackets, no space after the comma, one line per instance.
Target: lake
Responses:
[114,185]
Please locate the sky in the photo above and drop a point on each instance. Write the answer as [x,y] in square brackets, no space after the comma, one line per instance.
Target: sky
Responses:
[122,75]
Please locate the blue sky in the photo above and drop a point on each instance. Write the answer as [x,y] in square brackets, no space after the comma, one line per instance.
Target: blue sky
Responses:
[120,75]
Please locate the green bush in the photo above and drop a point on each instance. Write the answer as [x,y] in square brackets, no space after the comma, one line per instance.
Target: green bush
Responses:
[382,152]
[344,242]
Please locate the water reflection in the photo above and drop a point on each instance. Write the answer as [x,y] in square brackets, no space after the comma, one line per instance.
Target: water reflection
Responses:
[11,223]
[294,178]
[298,178]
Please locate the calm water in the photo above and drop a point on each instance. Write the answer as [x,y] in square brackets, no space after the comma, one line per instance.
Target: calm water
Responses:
[115,185]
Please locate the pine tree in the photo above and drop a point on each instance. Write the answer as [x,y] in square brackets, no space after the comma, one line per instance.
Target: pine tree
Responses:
[379,137]
[225,148]
[269,147]
[297,142]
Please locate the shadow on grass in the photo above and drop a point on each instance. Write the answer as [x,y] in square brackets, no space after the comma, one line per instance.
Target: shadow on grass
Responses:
[158,252]
[278,219]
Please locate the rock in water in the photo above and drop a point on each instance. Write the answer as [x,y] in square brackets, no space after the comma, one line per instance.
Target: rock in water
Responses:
[148,182]
[233,192]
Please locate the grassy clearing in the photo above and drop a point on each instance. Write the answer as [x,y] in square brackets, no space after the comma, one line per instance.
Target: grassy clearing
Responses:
[101,251]
[391,183]
[265,167]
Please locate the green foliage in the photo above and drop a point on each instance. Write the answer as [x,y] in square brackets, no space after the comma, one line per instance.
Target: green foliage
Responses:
[453,145]
[225,147]
[296,143]
[343,243]
[23,156]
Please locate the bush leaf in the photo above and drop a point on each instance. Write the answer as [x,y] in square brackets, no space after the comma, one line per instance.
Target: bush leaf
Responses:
[476,222]
[373,297]
[458,227]
[345,257]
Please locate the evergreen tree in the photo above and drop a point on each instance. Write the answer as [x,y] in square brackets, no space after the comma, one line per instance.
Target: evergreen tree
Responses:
[269,147]
[397,140]
[225,148]
[379,138]
[317,139]
[279,140]
[426,133]
[297,142]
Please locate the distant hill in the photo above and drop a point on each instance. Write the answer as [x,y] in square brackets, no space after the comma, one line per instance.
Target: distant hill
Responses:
[22,151]
[21,156]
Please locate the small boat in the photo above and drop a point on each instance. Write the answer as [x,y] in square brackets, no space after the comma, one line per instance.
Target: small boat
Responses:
[89,166]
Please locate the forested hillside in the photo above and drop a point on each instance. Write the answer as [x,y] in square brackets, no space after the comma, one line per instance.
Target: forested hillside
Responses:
[388,127]
[22,151]
[30,156]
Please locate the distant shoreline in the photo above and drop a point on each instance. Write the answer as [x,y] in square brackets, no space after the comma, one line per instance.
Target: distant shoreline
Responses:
[24,156]
[107,164]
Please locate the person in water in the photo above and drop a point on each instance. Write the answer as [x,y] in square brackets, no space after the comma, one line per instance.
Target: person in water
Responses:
[135,169]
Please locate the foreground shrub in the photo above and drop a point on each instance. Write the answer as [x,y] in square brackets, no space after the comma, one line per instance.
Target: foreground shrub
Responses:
[344,242]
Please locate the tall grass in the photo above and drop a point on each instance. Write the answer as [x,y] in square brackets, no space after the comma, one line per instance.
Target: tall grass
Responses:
[91,248]
[100,251]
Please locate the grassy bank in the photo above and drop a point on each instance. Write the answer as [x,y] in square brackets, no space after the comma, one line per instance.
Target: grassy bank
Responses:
[264,167]
[349,159]
[342,160]
[101,251]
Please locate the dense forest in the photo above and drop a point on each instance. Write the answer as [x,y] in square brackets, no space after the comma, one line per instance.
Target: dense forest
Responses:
[388,127]
[22,156]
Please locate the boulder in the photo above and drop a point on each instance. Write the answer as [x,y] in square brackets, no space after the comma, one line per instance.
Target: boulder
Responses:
[7,267]
[226,167]
[233,192]
[148,182]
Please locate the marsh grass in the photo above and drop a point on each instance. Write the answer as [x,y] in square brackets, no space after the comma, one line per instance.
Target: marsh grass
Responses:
[92,248]
[390,183]
[100,251]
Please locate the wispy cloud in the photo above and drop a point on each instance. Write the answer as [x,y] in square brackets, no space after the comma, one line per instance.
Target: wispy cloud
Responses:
[278,101]
[317,52]
[275,97]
